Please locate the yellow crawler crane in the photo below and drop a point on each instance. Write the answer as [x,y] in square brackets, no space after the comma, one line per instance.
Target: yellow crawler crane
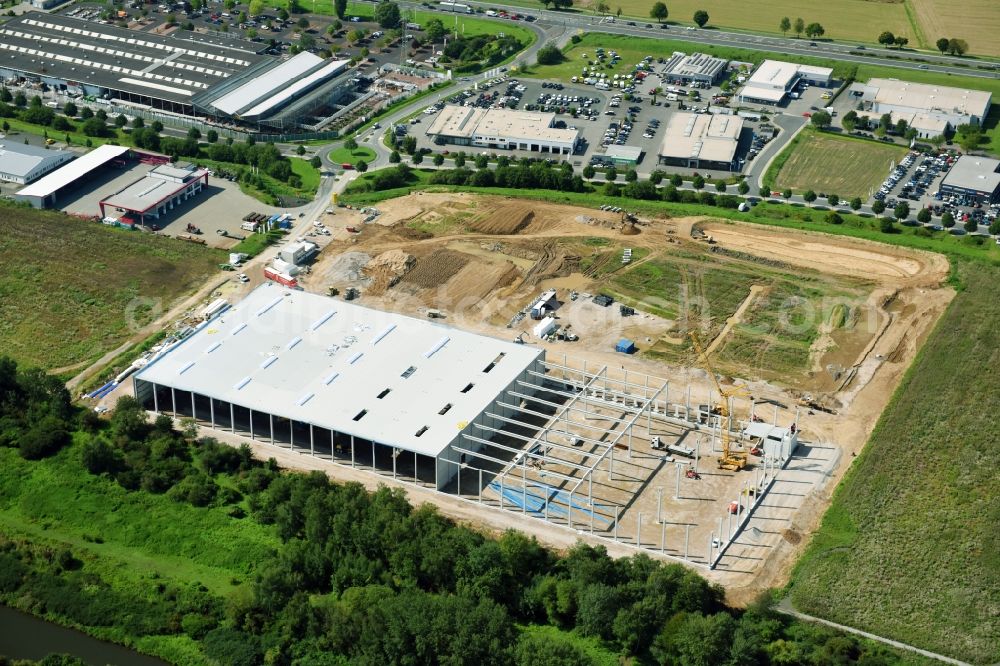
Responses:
[733,461]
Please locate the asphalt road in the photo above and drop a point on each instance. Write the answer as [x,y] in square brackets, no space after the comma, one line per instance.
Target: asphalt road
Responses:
[793,46]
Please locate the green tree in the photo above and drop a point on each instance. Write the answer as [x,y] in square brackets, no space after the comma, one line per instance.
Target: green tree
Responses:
[394,157]
[95,127]
[698,182]
[971,226]
[438,159]
[856,203]
[809,196]
[676,179]
[901,211]
[69,109]
[659,11]
[701,18]
[833,218]
[799,27]
[878,206]
[417,158]
[211,136]
[610,174]
[947,220]
[720,186]
[194,133]
[787,193]
[351,144]
[849,121]
[743,187]
[885,225]
[957,46]
[361,166]
[283,14]
[589,171]
[901,41]
[340,9]
[300,150]
[995,227]
[121,120]
[832,199]
[631,176]
[942,44]
[550,55]
[20,99]
[814,30]
[435,31]
[256,7]
[5,96]
[924,215]
[820,119]
[387,14]
[785,25]
[302,23]
[886,39]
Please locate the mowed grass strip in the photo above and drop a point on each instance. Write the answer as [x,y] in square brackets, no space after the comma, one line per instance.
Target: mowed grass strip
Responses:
[70,290]
[837,165]
[909,548]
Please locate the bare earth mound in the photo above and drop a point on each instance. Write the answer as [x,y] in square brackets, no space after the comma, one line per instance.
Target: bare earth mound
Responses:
[436,268]
[505,221]
[386,269]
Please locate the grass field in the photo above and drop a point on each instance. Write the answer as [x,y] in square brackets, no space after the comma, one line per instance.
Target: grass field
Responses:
[835,164]
[69,288]
[716,286]
[910,546]
[978,23]
[341,155]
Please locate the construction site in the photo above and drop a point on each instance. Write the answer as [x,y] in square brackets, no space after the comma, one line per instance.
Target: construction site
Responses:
[703,387]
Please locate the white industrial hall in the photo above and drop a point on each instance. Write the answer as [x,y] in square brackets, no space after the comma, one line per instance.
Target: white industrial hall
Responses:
[342,381]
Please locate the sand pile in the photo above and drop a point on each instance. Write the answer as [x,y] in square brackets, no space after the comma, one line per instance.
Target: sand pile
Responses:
[386,270]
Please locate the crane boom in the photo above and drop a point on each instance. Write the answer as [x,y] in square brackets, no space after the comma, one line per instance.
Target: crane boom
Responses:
[729,460]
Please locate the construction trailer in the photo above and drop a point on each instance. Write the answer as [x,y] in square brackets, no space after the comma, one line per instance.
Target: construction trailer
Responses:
[625,346]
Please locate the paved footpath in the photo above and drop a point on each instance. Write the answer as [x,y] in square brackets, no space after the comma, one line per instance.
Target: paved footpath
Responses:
[785,606]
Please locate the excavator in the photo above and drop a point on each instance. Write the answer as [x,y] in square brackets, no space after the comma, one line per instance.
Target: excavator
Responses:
[730,460]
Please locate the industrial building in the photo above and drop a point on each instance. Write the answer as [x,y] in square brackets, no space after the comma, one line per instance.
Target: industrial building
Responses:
[45,191]
[973,176]
[695,67]
[926,125]
[702,141]
[278,94]
[186,73]
[161,190]
[342,380]
[503,129]
[627,156]
[774,79]
[109,62]
[22,163]
[955,106]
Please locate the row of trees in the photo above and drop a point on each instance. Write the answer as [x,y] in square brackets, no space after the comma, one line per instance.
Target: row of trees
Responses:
[799,26]
[952,45]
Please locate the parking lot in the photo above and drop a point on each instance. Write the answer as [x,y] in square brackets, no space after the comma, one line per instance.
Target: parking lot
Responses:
[916,181]
[625,115]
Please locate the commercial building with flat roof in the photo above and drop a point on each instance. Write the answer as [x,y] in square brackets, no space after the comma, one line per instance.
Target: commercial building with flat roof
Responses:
[21,163]
[503,129]
[43,192]
[702,141]
[973,176]
[163,188]
[774,79]
[694,67]
[280,94]
[623,155]
[104,60]
[956,106]
[344,382]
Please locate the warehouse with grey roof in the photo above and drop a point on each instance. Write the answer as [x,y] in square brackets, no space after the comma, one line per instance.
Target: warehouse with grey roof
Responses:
[22,163]
[695,67]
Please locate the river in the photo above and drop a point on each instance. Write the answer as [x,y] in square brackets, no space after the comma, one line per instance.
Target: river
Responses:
[24,636]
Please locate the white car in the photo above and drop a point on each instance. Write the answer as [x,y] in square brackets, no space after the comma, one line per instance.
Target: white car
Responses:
[243,277]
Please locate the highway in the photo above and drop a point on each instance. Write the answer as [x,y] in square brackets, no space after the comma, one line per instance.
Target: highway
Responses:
[792,46]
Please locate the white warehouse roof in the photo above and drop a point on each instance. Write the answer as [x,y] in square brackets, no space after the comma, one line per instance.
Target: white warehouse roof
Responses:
[323,361]
[73,171]
[23,160]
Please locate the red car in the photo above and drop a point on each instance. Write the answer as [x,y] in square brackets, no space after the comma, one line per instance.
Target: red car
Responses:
[346,166]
